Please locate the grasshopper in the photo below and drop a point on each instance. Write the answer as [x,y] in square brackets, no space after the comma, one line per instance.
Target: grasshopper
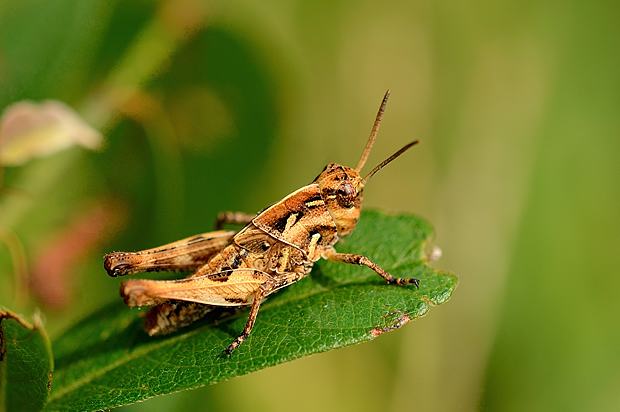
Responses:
[275,248]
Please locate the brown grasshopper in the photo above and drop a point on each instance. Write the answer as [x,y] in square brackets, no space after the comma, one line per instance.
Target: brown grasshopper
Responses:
[276,248]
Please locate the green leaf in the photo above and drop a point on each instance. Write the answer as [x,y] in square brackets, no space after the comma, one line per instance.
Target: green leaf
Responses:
[107,360]
[26,364]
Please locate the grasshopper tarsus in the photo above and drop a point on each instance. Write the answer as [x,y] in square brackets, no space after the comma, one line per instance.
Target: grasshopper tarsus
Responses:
[405,282]
[234,345]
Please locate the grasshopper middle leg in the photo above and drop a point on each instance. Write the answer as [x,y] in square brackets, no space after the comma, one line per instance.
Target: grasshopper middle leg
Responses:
[263,291]
[232,218]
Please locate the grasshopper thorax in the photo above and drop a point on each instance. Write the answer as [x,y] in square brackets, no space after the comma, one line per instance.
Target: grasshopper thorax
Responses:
[341,189]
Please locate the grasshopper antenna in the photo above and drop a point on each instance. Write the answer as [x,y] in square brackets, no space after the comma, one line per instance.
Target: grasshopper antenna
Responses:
[373,133]
[389,159]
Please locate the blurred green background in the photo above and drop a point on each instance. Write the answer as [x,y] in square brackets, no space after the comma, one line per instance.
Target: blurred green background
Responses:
[210,106]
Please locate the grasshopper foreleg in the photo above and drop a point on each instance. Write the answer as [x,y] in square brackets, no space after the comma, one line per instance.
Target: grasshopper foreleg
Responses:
[364,261]
[232,218]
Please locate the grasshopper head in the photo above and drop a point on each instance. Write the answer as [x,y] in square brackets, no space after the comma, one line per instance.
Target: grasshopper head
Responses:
[342,187]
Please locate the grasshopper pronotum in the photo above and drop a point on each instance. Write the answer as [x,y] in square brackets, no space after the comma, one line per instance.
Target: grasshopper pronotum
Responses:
[276,248]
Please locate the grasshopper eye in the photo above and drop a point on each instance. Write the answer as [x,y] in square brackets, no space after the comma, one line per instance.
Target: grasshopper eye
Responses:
[346,195]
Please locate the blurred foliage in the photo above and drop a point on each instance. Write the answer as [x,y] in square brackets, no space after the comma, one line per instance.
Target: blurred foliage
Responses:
[207,106]
[26,363]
